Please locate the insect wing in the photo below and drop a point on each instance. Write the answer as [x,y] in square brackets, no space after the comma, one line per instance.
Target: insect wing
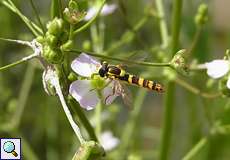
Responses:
[125,94]
[135,56]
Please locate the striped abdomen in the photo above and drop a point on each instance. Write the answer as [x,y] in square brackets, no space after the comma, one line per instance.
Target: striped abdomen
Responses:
[132,79]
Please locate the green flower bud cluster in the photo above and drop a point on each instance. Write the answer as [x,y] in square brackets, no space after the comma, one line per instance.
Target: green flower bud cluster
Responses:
[89,150]
[55,41]
[72,13]
[179,62]
[202,15]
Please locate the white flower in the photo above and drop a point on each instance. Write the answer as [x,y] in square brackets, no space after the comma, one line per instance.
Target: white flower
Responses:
[85,65]
[218,68]
[106,10]
[108,141]
[82,90]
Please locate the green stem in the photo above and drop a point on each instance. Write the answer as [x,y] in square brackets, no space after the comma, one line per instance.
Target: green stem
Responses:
[195,90]
[167,123]
[25,59]
[195,41]
[122,60]
[128,36]
[98,43]
[51,129]
[55,9]
[55,82]
[22,99]
[24,91]
[98,119]
[95,38]
[71,29]
[32,26]
[27,151]
[84,121]
[91,21]
[170,94]
[201,144]
[37,16]
[140,23]
[162,23]
[176,24]
[131,124]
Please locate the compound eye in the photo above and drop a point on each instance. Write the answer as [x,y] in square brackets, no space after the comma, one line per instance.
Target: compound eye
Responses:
[101,73]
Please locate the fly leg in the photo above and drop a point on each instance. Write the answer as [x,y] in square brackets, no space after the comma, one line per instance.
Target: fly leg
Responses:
[93,75]
[103,86]
[113,93]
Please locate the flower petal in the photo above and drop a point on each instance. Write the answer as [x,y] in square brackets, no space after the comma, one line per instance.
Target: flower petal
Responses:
[106,10]
[81,91]
[217,68]
[90,13]
[108,93]
[85,65]
[228,83]
[108,141]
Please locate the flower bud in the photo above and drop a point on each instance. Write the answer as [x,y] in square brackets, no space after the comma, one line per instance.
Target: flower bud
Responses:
[73,5]
[227,54]
[67,46]
[223,86]
[72,77]
[40,39]
[51,40]
[56,27]
[86,45]
[73,16]
[202,15]
[53,56]
[179,62]
[89,150]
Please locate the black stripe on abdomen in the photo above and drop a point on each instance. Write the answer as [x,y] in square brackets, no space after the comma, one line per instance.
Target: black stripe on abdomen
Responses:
[135,79]
[124,78]
[154,85]
[145,83]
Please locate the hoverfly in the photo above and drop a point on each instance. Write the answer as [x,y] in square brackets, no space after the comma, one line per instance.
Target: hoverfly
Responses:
[118,75]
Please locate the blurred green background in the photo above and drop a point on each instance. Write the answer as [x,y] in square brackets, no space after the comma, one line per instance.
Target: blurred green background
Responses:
[26,111]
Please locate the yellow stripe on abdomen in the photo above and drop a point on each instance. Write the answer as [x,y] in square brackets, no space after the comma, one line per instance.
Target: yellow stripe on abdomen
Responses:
[130,78]
[122,73]
[140,81]
[150,84]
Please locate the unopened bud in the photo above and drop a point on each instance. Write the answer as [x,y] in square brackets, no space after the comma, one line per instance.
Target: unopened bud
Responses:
[202,15]
[52,55]
[56,27]
[223,86]
[89,150]
[179,62]
[73,16]
[86,45]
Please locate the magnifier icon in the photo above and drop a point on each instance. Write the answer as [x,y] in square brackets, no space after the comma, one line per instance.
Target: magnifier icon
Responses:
[9,147]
